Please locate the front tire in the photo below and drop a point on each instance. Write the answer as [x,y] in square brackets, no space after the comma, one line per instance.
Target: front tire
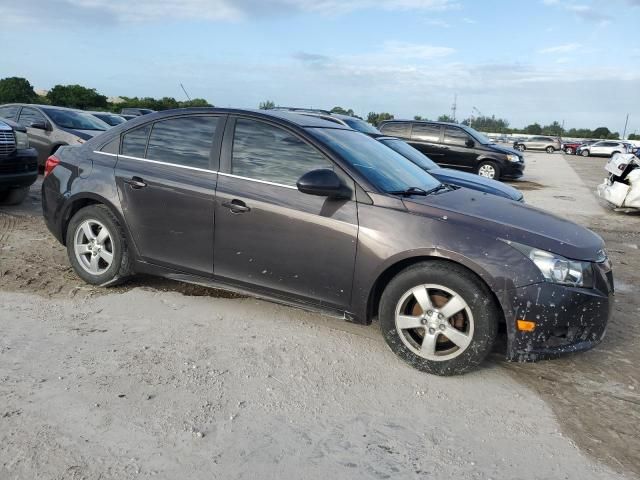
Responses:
[15,196]
[584,153]
[521,148]
[568,151]
[550,150]
[489,170]
[439,318]
[97,246]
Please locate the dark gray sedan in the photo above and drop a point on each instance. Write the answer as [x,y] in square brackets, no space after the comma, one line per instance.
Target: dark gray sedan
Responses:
[300,210]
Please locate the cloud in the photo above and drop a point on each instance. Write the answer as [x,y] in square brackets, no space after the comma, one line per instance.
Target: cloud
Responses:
[584,12]
[143,11]
[437,22]
[470,21]
[566,48]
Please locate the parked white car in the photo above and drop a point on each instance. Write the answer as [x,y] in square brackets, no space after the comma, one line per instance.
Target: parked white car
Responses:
[605,148]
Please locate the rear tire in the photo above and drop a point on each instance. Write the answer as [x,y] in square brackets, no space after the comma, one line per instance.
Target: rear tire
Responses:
[521,148]
[439,318]
[489,170]
[584,153]
[613,154]
[550,150]
[97,247]
[568,151]
[15,196]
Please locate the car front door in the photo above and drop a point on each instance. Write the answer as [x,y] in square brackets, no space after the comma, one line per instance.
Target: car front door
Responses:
[598,148]
[268,235]
[459,149]
[39,138]
[166,176]
[427,137]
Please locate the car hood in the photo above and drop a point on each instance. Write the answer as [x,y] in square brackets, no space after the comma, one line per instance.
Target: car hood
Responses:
[505,150]
[83,134]
[476,182]
[511,221]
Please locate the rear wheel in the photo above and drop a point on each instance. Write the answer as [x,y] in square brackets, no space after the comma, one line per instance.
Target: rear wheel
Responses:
[15,196]
[97,246]
[489,170]
[584,153]
[614,153]
[568,151]
[439,318]
[550,150]
[522,148]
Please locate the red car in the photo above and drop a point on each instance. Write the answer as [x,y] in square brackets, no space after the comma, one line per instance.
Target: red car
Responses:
[570,147]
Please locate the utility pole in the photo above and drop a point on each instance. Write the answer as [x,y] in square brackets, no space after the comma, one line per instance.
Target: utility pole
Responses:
[626,122]
[185,92]
[454,107]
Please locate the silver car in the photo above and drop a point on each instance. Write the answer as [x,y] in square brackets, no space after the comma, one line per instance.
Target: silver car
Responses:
[50,127]
[605,148]
[548,144]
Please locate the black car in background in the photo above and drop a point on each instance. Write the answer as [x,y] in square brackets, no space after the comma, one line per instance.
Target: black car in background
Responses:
[18,163]
[310,213]
[136,112]
[458,146]
[111,119]
[450,176]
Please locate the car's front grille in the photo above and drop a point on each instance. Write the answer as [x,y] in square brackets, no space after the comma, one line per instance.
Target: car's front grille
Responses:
[18,167]
[7,143]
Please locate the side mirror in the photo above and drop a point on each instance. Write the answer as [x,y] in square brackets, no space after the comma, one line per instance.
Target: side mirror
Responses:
[470,143]
[324,183]
[39,124]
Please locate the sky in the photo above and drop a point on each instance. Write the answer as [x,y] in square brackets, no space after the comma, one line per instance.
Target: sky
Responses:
[575,61]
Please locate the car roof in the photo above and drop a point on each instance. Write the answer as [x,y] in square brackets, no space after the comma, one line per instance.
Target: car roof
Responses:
[423,121]
[39,105]
[299,119]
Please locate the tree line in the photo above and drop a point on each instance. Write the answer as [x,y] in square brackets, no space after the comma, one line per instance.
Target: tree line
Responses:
[19,90]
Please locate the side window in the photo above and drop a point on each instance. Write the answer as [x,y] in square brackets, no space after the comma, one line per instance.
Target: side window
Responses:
[9,112]
[455,136]
[426,132]
[30,115]
[264,152]
[184,141]
[397,129]
[134,142]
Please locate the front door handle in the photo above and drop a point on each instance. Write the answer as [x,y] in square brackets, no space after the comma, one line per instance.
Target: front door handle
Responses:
[135,182]
[236,206]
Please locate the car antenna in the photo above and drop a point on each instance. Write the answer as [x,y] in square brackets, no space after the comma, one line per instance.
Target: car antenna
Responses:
[185,92]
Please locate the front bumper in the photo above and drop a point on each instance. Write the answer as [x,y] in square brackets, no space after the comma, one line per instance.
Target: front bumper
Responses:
[512,169]
[19,169]
[568,319]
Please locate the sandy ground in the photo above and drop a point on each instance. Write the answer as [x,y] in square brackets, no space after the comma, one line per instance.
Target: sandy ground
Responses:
[163,380]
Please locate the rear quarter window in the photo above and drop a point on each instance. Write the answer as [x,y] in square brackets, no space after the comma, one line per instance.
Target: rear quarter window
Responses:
[397,129]
[134,142]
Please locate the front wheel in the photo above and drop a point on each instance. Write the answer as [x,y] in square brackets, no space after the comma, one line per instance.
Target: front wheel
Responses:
[550,150]
[97,246]
[584,153]
[568,151]
[521,148]
[439,318]
[489,170]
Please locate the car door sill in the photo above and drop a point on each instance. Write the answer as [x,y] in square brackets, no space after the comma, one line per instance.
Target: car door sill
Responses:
[157,270]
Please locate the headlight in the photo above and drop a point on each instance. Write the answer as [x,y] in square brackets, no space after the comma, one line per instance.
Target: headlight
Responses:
[513,158]
[22,140]
[557,269]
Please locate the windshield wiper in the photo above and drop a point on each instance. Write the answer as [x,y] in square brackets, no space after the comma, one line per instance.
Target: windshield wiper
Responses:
[442,186]
[409,191]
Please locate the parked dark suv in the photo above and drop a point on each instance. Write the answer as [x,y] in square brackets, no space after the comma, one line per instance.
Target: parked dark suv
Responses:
[308,212]
[18,163]
[458,146]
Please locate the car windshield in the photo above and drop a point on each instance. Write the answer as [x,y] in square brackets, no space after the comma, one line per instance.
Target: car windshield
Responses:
[386,169]
[361,125]
[75,120]
[483,139]
[407,151]
[112,120]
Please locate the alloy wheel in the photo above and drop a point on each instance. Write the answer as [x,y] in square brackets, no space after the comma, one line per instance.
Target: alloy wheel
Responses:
[434,322]
[487,171]
[93,247]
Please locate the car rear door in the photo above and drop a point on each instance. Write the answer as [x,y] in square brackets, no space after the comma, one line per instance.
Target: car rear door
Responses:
[427,137]
[166,176]
[598,148]
[268,235]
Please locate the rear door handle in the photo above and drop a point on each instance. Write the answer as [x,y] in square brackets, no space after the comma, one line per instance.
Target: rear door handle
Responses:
[135,182]
[236,206]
